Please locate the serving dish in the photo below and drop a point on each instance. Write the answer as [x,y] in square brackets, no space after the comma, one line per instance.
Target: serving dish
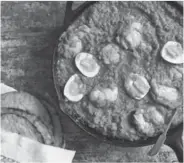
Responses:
[176,144]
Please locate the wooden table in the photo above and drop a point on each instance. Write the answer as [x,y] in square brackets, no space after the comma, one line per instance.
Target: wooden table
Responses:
[29,31]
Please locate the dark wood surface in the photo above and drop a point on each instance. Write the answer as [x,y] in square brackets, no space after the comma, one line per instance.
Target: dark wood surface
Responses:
[29,31]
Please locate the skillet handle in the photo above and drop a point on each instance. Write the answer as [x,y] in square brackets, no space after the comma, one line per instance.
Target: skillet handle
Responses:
[70,14]
[176,143]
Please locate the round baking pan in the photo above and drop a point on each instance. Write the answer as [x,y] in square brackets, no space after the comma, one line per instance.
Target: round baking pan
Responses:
[174,136]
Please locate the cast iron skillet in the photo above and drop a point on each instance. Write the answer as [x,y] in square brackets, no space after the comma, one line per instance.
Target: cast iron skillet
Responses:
[174,136]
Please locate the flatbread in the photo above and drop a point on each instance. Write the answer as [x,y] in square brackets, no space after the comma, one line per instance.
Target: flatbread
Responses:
[17,124]
[57,127]
[7,113]
[26,102]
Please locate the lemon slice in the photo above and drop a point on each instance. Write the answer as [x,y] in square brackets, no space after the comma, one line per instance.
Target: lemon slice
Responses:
[173,52]
[87,64]
[74,88]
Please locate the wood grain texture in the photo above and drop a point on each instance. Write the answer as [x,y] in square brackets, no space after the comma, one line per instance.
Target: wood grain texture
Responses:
[28,34]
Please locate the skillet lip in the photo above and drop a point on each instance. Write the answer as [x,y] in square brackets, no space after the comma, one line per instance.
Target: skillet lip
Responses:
[92,132]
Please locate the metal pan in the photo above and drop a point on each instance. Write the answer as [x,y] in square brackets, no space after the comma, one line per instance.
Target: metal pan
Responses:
[174,137]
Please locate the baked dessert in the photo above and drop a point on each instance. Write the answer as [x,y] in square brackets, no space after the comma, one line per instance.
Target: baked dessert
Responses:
[120,68]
